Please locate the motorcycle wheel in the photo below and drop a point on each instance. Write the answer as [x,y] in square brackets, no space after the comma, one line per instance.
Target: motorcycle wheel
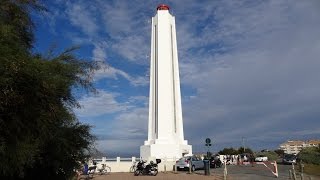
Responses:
[137,172]
[155,172]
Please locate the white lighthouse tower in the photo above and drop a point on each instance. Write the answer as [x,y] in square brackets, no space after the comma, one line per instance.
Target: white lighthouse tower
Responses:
[165,126]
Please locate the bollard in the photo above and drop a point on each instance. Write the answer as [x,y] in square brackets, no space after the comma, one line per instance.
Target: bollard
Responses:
[301,169]
[190,167]
[175,168]
[290,174]
[294,172]
[225,172]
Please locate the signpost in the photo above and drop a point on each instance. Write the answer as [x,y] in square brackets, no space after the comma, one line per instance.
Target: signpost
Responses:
[208,144]
[207,161]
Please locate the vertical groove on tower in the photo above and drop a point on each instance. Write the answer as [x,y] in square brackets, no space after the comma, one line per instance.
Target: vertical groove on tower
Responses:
[173,83]
[156,81]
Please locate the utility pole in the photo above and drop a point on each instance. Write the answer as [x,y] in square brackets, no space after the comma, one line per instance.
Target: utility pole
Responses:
[243,145]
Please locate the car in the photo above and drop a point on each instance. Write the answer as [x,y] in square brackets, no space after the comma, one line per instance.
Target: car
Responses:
[261,158]
[185,162]
[289,159]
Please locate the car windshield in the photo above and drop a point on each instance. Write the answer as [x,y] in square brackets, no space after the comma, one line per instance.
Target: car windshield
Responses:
[184,158]
[289,156]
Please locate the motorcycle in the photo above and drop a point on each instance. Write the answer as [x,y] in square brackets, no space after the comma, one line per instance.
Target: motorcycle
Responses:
[215,163]
[149,169]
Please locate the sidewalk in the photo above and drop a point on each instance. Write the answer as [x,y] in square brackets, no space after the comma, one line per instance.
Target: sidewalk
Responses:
[160,176]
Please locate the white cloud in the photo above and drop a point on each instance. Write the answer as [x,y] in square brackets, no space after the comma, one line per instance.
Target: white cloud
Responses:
[81,15]
[128,132]
[133,48]
[110,72]
[99,52]
[101,103]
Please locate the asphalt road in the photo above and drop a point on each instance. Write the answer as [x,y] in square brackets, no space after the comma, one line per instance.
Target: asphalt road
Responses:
[235,172]
[258,171]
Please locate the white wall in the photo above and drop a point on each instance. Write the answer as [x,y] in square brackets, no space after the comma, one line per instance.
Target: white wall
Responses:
[124,165]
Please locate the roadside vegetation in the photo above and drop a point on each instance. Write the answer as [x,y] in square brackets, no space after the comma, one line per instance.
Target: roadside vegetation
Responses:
[310,158]
[310,155]
[40,136]
[232,151]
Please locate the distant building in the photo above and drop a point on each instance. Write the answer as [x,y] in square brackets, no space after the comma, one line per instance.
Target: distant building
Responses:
[294,147]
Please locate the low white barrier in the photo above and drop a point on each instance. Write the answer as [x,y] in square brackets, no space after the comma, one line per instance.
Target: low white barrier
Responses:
[124,164]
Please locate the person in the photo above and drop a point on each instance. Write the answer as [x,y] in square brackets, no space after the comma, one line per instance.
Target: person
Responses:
[245,159]
[238,159]
[85,168]
[83,171]
[252,159]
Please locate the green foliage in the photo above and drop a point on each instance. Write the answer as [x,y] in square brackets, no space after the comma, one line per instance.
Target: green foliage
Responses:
[310,155]
[228,151]
[40,137]
[232,151]
[15,23]
[280,152]
[242,150]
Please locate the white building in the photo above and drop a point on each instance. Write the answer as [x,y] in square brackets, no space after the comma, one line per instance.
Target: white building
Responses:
[165,124]
[294,147]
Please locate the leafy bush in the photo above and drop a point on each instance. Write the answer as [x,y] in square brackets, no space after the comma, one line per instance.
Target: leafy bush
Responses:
[310,155]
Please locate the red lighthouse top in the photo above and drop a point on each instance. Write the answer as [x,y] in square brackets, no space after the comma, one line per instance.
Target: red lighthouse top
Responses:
[163,7]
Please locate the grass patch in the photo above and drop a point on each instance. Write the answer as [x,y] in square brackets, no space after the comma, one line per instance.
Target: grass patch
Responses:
[312,169]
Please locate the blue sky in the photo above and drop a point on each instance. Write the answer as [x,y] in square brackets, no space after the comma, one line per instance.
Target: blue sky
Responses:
[249,69]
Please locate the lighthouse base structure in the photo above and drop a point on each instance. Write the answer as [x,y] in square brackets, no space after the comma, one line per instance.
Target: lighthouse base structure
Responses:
[164,151]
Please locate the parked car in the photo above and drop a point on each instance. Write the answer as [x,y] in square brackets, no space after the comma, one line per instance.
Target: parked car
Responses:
[185,162]
[261,158]
[289,159]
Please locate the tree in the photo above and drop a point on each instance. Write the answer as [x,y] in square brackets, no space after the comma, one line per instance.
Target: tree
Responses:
[228,151]
[241,150]
[280,152]
[40,137]
[310,155]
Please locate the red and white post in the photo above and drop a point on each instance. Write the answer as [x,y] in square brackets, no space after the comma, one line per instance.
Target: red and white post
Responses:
[275,169]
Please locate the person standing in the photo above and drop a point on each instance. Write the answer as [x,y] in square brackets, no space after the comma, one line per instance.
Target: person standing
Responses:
[252,159]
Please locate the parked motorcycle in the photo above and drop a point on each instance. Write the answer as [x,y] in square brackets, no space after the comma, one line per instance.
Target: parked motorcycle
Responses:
[215,163]
[149,169]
